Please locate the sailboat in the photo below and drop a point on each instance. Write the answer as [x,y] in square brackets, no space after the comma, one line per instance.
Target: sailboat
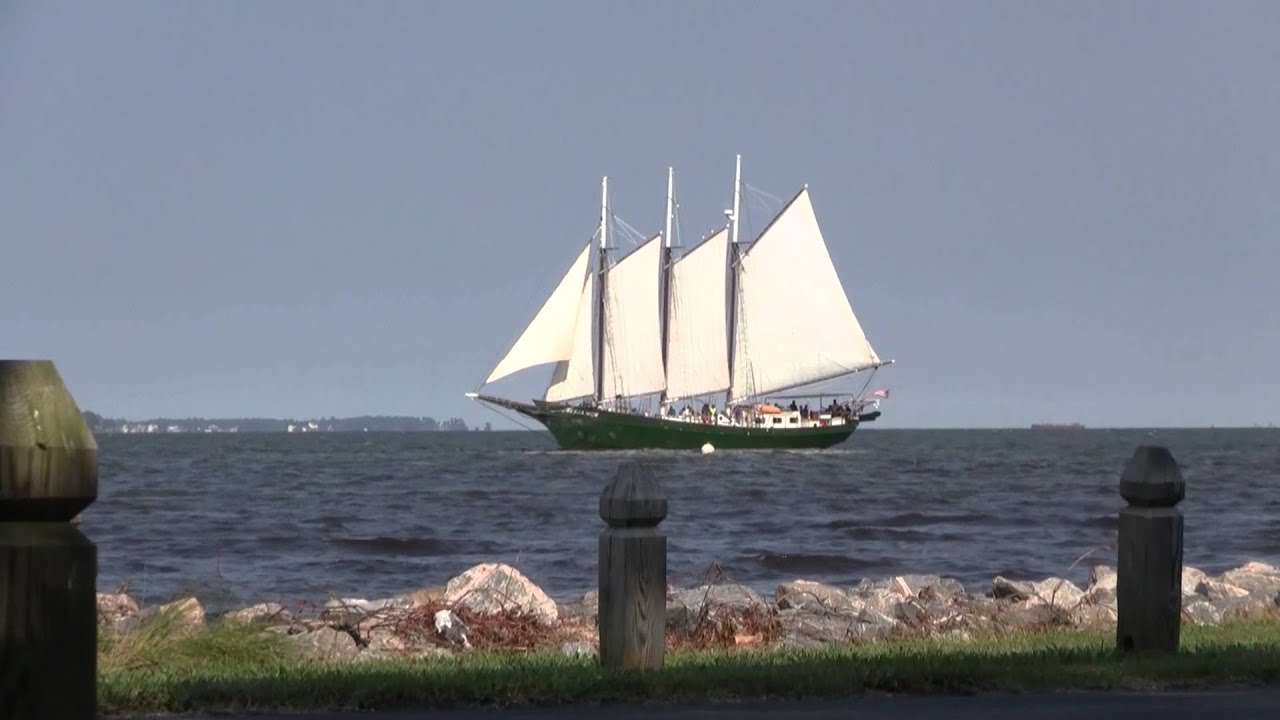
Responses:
[707,338]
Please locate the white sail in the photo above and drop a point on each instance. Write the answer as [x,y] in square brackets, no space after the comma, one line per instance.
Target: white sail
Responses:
[697,326]
[794,323]
[632,333]
[575,377]
[549,336]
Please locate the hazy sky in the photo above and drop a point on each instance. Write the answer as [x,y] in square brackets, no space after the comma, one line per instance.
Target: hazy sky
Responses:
[1041,210]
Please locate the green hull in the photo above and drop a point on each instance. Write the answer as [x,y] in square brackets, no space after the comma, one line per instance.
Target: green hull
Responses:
[601,430]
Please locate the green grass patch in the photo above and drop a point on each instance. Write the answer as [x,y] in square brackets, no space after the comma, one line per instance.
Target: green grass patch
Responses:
[162,644]
[232,669]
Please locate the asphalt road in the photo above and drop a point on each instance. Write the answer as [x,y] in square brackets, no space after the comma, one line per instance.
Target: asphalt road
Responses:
[1227,705]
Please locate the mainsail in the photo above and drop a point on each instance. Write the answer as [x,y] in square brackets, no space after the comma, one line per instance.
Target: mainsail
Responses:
[794,323]
[632,335]
[574,378]
[697,350]
[550,335]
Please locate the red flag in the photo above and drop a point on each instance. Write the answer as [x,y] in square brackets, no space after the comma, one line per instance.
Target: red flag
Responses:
[884,393]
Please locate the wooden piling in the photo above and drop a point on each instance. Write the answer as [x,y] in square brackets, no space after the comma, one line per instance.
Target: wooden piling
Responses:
[48,568]
[1149,557]
[632,617]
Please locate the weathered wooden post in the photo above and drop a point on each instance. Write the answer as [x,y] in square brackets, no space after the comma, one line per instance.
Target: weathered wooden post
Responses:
[632,617]
[48,568]
[1149,563]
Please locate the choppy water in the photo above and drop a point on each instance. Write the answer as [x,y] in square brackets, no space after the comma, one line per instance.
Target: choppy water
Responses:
[241,518]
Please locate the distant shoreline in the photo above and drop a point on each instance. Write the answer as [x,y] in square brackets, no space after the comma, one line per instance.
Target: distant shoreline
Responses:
[364,423]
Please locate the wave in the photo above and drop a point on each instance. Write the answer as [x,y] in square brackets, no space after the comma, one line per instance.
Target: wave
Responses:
[912,519]
[872,533]
[814,563]
[417,546]
[1105,522]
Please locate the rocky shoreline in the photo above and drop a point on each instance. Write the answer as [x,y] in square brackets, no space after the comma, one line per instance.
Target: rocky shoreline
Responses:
[494,607]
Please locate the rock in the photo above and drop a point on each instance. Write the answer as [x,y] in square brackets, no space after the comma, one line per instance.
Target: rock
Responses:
[1101,577]
[734,597]
[344,612]
[348,612]
[259,614]
[807,627]
[1101,597]
[1033,613]
[815,596]
[573,610]
[1191,578]
[882,599]
[385,642]
[913,585]
[1059,592]
[1217,591]
[578,649]
[1256,578]
[976,604]
[685,607]
[1090,615]
[1251,607]
[1202,612]
[962,624]
[494,588]
[946,613]
[873,620]
[803,627]
[186,614]
[113,607]
[584,608]
[124,625]
[1002,587]
[326,643]
[911,613]
[1257,568]
[425,596]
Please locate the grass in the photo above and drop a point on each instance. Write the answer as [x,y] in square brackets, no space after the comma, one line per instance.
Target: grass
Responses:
[236,669]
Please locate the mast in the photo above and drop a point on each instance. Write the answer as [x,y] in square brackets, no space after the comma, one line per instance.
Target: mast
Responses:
[733,273]
[602,266]
[666,275]
[737,199]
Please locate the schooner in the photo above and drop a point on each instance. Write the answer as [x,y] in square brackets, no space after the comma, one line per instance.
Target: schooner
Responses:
[707,339]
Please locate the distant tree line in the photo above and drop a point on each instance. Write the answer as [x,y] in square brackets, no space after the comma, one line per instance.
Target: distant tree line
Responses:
[363,423]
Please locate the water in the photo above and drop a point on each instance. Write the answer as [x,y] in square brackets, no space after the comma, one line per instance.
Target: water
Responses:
[242,518]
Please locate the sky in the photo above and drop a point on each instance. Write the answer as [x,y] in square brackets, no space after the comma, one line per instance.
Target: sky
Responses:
[1050,211]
